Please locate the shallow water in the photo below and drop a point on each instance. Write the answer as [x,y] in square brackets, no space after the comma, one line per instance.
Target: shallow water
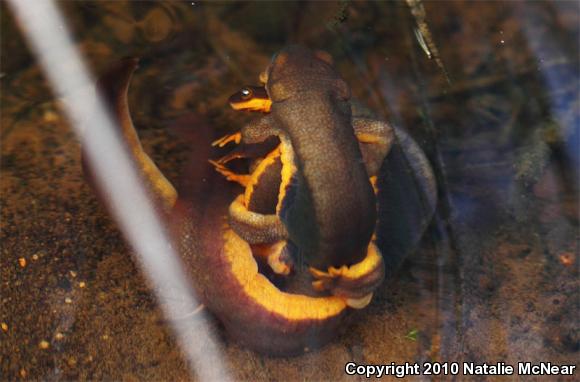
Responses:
[495,278]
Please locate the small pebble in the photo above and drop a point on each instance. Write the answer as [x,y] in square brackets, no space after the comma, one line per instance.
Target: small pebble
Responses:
[35,257]
[72,361]
[59,336]
[23,373]
[567,258]
[82,284]
[22,262]
[43,344]
[68,300]
[73,273]
[50,116]
[4,326]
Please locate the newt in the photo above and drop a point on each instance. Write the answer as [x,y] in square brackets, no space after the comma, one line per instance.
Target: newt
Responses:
[326,200]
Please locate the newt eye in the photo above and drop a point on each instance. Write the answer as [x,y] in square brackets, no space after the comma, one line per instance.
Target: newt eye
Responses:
[246,93]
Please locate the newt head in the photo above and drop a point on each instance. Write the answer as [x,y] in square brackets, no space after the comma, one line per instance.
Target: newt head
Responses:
[251,98]
[297,70]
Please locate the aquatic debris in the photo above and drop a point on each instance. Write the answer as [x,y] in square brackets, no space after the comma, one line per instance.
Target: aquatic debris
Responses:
[43,344]
[412,335]
[424,37]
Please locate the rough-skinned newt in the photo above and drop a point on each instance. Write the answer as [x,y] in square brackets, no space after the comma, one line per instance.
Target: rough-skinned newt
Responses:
[326,200]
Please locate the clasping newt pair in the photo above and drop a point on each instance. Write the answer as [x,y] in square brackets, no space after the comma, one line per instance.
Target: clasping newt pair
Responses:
[311,195]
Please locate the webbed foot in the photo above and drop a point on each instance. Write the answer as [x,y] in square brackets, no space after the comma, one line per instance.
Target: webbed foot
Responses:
[355,283]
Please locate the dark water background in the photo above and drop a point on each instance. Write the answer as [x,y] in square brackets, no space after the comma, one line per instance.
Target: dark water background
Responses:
[496,275]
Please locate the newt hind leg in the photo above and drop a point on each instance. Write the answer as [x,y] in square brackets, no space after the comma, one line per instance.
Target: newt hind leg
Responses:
[375,139]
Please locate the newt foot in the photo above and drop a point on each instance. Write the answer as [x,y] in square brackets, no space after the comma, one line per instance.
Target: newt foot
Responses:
[354,282]
[236,137]
[277,256]
[242,179]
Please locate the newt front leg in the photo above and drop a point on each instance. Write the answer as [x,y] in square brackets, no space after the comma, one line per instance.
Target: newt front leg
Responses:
[252,214]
